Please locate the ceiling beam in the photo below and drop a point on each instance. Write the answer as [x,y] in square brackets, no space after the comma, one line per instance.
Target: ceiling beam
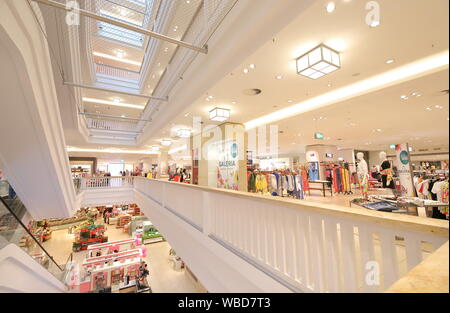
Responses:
[114,91]
[124,25]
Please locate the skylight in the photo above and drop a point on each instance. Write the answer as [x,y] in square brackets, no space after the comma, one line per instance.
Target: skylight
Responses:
[129,12]
[120,34]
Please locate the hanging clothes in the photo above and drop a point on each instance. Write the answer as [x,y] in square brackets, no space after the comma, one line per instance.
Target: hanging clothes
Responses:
[261,183]
[251,182]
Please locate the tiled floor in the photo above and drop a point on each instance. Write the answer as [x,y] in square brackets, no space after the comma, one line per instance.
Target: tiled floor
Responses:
[163,278]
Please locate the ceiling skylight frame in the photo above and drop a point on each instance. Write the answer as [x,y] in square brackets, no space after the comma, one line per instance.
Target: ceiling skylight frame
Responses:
[122,35]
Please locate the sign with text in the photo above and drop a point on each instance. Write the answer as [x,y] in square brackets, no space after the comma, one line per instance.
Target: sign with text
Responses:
[404,170]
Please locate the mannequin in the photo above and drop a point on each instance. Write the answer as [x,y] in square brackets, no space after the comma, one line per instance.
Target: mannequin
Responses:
[363,174]
[386,171]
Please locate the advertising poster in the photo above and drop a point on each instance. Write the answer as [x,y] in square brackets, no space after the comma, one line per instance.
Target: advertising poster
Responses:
[404,170]
[228,167]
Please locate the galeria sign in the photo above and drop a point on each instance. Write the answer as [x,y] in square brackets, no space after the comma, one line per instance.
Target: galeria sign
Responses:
[404,170]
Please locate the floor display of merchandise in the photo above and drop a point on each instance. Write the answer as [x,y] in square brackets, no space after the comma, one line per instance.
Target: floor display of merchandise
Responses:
[88,233]
[117,265]
[113,266]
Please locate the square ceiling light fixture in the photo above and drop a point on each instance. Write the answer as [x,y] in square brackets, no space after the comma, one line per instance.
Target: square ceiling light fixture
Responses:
[219,114]
[318,62]
[184,133]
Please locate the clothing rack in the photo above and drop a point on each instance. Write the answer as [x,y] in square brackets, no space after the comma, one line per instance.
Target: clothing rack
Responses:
[283,183]
[340,178]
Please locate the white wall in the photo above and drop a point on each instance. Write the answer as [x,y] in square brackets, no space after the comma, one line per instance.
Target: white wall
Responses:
[31,135]
[20,273]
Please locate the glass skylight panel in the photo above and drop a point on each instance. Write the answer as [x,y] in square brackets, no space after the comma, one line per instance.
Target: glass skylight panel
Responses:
[126,12]
[121,34]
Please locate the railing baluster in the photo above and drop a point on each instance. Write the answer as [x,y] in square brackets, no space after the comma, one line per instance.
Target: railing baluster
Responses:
[389,257]
[348,256]
[317,247]
[333,259]
[367,254]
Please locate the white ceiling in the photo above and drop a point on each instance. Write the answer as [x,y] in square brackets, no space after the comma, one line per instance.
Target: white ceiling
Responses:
[409,30]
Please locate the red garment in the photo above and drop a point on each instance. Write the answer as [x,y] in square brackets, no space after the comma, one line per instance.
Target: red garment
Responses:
[305,180]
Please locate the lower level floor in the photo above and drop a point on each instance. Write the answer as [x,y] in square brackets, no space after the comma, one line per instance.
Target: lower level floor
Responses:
[163,277]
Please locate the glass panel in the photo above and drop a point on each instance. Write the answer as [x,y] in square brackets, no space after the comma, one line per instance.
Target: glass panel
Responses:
[13,231]
[315,56]
[120,34]
[335,59]
[316,75]
[321,65]
[302,63]
[308,72]
[326,54]
[329,69]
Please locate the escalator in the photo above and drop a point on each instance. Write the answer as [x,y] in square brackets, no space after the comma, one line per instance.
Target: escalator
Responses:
[25,265]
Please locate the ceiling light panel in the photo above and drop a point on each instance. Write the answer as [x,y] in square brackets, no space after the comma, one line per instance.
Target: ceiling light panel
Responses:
[318,62]
[219,114]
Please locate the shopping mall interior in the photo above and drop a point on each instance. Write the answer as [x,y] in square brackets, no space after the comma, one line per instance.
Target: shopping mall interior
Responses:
[224,146]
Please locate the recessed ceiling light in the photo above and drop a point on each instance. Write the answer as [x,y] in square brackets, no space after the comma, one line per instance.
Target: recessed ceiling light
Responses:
[252,66]
[233,102]
[404,97]
[438,106]
[245,70]
[329,85]
[290,101]
[122,115]
[279,77]
[330,7]
[428,108]
[390,61]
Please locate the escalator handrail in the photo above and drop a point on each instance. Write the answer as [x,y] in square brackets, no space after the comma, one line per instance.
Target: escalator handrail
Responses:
[29,233]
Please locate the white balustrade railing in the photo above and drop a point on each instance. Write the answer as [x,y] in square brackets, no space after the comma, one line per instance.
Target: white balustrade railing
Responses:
[116,72]
[101,124]
[308,247]
[107,182]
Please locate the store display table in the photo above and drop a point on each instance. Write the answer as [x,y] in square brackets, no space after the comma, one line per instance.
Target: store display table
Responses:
[393,204]
[324,188]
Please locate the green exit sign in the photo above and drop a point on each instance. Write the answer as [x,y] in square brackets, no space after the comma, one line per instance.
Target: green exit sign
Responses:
[319,136]
[392,146]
